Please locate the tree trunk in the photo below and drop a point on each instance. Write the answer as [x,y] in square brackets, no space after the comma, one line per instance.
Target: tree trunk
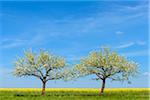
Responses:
[103,86]
[43,88]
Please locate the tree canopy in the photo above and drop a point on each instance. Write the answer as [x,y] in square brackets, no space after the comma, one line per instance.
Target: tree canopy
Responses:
[107,64]
[44,66]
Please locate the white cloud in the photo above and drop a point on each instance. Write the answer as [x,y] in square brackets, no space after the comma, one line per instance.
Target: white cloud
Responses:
[88,24]
[73,58]
[146,74]
[137,53]
[125,45]
[71,26]
[141,42]
[119,32]
[10,43]
[137,8]
[129,44]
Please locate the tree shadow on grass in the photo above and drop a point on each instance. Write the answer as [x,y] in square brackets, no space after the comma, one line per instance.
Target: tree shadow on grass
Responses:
[26,95]
[53,95]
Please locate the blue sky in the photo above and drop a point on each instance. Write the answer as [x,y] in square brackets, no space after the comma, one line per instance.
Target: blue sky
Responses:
[72,30]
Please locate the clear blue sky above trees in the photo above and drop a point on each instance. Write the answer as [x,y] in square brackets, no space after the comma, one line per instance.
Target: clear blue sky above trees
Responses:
[72,30]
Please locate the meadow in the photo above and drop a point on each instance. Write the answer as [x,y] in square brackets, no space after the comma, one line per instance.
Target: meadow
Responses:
[74,94]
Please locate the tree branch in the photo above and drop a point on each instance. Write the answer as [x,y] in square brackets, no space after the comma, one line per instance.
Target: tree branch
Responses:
[37,76]
[39,72]
[113,73]
[47,72]
[98,74]
[52,78]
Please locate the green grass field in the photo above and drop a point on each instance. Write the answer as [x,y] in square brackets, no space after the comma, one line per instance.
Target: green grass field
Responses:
[74,94]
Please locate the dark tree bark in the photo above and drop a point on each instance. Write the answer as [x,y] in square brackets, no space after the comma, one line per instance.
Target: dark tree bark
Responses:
[43,88]
[103,87]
